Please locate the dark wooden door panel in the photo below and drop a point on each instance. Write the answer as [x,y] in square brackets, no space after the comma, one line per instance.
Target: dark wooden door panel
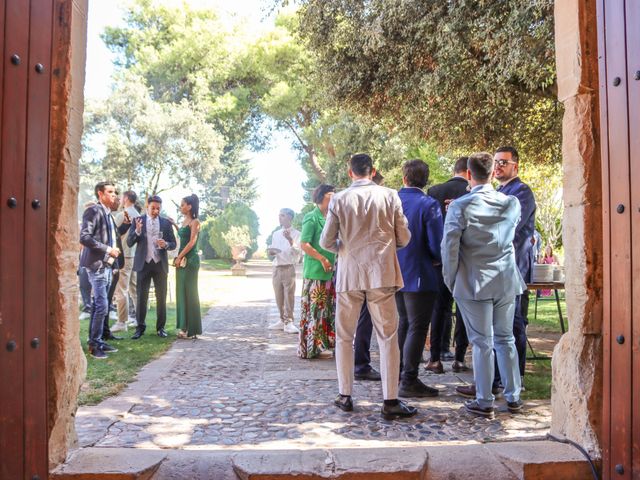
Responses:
[633,83]
[35,239]
[14,114]
[618,39]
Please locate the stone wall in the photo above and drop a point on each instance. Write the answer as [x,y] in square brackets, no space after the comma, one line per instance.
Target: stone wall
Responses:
[577,359]
[67,363]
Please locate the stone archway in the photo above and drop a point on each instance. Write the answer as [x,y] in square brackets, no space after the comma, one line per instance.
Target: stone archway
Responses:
[577,365]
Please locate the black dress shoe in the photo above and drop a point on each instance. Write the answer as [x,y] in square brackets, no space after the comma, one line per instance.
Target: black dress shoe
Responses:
[162,333]
[417,389]
[399,410]
[106,348]
[137,335]
[344,403]
[372,374]
[111,336]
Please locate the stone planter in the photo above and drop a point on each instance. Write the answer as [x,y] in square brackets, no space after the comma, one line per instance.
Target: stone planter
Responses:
[239,253]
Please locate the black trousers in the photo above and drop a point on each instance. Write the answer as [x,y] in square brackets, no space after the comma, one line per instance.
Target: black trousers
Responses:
[415,310]
[152,271]
[520,322]
[442,314]
[362,342]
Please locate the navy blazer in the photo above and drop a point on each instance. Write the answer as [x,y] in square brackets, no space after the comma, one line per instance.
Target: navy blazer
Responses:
[417,259]
[453,188]
[141,250]
[94,236]
[526,226]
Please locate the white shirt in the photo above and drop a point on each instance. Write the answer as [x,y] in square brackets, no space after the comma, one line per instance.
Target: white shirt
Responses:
[129,252]
[153,235]
[289,254]
[111,227]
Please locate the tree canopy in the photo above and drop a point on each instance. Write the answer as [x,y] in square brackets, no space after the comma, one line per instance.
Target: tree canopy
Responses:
[462,74]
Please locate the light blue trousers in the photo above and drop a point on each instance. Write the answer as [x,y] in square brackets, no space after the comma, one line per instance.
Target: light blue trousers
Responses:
[490,326]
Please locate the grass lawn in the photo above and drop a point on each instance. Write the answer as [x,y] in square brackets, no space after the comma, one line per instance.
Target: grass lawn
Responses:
[538,378]
[216,264]
[110,376]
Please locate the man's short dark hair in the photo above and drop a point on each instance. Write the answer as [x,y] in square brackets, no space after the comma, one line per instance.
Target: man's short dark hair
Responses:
[361,164]
[154,198]
[100,186]
[416,173]
[460,165]
[320,191]
[511,150]
[289,212]
[481,165]
[131,196]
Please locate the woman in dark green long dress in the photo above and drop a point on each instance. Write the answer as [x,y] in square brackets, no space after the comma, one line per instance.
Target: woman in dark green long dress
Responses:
[187,264]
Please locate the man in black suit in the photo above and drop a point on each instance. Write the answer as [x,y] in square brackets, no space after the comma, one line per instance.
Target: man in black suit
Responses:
[98,236]
[154,236]
[453,188]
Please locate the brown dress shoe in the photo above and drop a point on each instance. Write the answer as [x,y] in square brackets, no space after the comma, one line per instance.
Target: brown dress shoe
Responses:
[435,367]
[469,391]
[458,367]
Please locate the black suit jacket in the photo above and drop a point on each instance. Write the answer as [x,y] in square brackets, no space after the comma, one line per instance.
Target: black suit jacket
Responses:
[141,250]
[94,237]
[450,190]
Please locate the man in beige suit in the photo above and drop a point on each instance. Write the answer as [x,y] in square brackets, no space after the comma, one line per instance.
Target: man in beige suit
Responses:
[365,225]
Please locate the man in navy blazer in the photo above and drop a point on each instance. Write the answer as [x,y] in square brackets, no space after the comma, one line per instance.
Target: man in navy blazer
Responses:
[99,236]
[154,237]
[506,172]
[479,267]
[419,264]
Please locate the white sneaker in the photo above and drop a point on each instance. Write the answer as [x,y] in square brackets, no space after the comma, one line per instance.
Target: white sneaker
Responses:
[290,328]
[132,322]
[85,315]
[119,327]
[113,315]
[276,326]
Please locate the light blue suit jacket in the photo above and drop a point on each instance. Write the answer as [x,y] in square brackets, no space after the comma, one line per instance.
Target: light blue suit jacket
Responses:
[478,258]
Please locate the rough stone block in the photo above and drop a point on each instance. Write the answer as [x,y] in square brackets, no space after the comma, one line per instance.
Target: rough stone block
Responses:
[110,464]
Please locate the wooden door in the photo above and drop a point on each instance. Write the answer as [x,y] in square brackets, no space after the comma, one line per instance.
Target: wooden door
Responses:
[619,73]
[25,41]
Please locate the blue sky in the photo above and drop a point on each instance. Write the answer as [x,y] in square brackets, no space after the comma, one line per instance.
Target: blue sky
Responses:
[277,171]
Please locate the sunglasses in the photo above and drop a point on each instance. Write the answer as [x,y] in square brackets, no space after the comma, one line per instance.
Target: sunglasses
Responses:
[504,163]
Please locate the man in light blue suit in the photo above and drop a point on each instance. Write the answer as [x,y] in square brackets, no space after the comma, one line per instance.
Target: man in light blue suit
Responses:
[479,267]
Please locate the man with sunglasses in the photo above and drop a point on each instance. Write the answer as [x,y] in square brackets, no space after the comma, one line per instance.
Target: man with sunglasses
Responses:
[506,166]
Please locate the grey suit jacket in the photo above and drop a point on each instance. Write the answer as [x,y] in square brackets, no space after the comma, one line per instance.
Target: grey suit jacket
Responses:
[478,259]
[365,225]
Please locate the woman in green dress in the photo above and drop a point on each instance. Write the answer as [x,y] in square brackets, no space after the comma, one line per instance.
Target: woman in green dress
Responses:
[187,264]
[317,324]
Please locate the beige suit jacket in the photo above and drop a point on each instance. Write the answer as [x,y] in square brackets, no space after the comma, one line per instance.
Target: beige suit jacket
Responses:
[365,226]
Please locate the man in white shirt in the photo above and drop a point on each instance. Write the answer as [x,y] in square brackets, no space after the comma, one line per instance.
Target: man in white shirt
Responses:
[126,281]
[285,248]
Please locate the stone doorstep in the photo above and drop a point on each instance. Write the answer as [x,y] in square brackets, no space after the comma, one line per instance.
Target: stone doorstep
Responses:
[539,460]
[535,460]
[110,464]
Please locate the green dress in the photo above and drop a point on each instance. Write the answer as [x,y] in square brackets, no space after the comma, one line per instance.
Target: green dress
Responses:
[187,299]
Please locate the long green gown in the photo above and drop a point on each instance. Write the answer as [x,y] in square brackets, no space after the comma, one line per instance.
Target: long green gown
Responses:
[187,299]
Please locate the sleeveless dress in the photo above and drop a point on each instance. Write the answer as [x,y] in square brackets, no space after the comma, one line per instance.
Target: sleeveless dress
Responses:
[187,299]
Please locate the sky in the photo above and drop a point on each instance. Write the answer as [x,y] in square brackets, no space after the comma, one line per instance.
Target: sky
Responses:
[278,174]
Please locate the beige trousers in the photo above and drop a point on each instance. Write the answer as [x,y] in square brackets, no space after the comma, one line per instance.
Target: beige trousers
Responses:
[384,315]
[127,286]
[284,286]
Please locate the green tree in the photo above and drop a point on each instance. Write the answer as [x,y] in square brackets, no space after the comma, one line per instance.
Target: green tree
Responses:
[463,75]
[149,146]
[235,215]
[546,182]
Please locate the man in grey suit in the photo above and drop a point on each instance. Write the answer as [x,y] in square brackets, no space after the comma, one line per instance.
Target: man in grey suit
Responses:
[479,267]
[365,225]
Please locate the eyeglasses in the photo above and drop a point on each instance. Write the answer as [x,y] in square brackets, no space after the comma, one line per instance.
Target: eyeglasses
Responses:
[504,163]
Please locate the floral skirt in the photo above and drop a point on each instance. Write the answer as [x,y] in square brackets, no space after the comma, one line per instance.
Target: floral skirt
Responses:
[317,325]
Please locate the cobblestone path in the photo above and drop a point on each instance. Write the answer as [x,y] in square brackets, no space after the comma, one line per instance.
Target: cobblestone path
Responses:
[242,386]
